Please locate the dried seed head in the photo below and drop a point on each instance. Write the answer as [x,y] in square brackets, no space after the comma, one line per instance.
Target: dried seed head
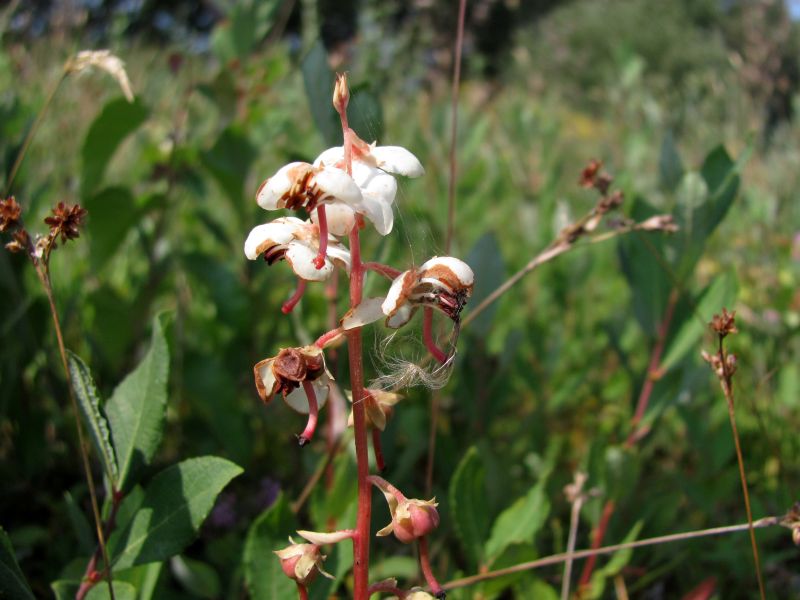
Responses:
[20,242]
[725,323]
[589,173]
[10,212]
[290,365]
[66,221]
[103,59]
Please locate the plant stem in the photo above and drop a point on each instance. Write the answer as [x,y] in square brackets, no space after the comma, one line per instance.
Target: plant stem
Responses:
[451,186]
[726,382]
[302,592]
[597,541]
[574,520]
[559,558]
[33,130]
[425,564]
[43,272]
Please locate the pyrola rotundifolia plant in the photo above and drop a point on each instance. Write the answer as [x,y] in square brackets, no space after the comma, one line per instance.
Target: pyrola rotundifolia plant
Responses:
[346,190]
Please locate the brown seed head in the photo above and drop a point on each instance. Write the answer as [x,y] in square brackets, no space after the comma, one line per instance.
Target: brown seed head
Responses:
[589,173]
[10,212]
[290,365]
[725,323]
[609,203]
[66,221]
[20,242]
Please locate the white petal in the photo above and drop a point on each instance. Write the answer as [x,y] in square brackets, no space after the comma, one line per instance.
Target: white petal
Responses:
[277,233]
[398,292]
[339,185]
[298,401]
[460,270]
[401,317]
[340,217]
[265,379]
[269,194]
[330,157]
[340,256]
[320,539]
[375,185]
[396,159]
[367,312]
[301,258]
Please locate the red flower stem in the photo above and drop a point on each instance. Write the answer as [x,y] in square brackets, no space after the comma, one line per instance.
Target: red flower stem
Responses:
[326,338]
[385,270]
[597,541]
[377,449]
[427,336]
[289,305]
[425,564]
[388,588]
[322,223]
[302,592]
[313,414]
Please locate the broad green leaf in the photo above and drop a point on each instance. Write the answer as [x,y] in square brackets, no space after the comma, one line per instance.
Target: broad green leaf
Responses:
[122,591]
[228,161]
[613,566]
[198,578]
[137,408]
[318,79]
[520,522]
[12,582]
[533,587]
[670,167]
[175,504]
[721,292]
[645,267]
[64,589]
[486,260]
[118,119]
[112,212]
[144,578]
[80,525]
[262,570]
[89,403]
[245,26]
[512,555]
[469,506]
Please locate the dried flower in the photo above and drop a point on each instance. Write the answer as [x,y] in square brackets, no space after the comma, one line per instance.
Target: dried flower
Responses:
[298,242]
[725,323]
[411,518]
[66,221]
[659,223]
[378,406]
[589,173]
[20,242]
[287,371]
[10,212]
[103,59]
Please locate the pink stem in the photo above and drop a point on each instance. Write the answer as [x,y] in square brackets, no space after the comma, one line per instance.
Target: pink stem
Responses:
[313,414]
[385,270]
[386,587]
[377,449]
[384,485]
[427,336]
[302,592]
[322,223]
[326,338]
[425,564]
[289,305]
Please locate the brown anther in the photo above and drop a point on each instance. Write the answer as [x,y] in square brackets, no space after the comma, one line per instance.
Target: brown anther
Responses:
[725,323]
[589,173]
[66,221]
[10,212]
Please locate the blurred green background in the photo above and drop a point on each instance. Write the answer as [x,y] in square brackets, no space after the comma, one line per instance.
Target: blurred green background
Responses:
[690,104]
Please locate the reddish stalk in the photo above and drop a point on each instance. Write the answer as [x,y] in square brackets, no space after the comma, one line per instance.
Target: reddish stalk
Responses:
[326,338]
[322,223]
[385,270]
[597,541]
[313,414]
[387,587]
[302,592]
[289,305]
[427,336]
[425,564]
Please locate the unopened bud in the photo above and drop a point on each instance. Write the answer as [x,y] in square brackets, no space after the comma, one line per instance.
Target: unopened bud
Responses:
[341,93]
[301,562]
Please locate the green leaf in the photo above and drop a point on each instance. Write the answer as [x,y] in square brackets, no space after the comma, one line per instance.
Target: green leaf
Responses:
[89,403]
[670,167]
[721,292]
[122,591]
[12,582]
[318,79]
[118,119]
[520,522]
[112,212]
[198,578]
[137,408]
[175,504]
[469,504]
[364,114]
[486,260]
[228,161]
[262,570]
[613,566]
[80,525]
[245,26]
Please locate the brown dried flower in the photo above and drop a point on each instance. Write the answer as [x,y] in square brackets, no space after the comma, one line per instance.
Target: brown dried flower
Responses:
[20,242]
[10,212]
[725,323]
[589,173]
[66,221]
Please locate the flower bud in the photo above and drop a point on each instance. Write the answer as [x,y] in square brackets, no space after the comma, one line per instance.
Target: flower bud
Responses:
[341,93]
[301,562]
[414,519]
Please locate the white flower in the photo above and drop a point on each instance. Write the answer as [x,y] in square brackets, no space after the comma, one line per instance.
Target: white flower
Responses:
[298,242]
[373,169]
[301,185]
[442,282]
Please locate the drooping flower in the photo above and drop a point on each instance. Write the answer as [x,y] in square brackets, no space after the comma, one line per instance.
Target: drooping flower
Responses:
[411,518]
[373,169]
[378,407]
[442,282]
[303,562]
[301,185]
[297,241]
[286,373]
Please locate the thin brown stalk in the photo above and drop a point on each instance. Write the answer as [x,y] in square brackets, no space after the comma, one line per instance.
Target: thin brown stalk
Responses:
[575,495]
[559,558]
[42,271]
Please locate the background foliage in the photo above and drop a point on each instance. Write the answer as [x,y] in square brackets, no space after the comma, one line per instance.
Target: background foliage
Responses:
[689,103]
